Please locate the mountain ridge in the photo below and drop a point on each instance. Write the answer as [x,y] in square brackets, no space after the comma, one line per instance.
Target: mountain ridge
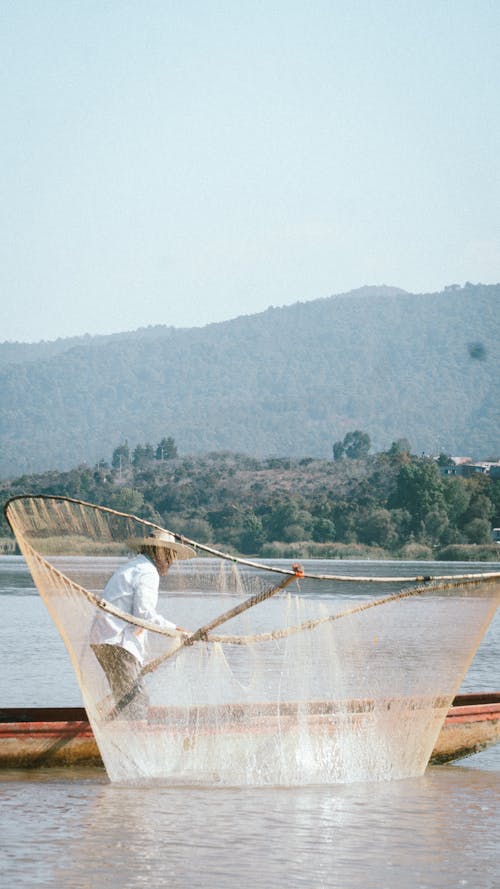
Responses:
[288,380]
[14,351]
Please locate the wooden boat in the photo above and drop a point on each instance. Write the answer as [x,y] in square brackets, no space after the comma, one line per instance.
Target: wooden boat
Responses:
[62,736]
[472,725]
[36,737]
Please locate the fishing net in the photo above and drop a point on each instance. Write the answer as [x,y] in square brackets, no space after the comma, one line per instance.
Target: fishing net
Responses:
[285,678]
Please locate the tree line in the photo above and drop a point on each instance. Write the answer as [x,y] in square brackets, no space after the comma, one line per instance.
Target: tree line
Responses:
[391,503]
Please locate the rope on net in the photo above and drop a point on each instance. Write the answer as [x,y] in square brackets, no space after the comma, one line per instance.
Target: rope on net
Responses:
[417,578]
[472,580]
[212,551]
[203,634]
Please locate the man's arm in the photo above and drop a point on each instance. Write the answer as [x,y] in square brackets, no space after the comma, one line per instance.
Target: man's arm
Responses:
[146,599]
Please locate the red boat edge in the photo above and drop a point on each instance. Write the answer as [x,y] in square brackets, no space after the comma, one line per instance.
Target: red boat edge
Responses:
[471,725]
[39,737]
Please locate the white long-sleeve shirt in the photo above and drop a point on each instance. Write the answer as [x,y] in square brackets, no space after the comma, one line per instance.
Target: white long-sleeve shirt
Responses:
[133,588]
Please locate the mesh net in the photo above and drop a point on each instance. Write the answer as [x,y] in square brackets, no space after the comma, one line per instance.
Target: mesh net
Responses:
[304,686]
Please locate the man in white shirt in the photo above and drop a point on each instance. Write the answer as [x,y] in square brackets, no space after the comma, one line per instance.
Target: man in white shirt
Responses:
[133,588]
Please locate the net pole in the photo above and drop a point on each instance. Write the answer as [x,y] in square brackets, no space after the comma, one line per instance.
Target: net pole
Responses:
[471,581]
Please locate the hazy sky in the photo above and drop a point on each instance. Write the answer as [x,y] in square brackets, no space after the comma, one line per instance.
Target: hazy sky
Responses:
[187,162]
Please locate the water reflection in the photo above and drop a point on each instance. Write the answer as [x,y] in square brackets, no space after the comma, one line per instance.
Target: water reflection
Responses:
[439,831]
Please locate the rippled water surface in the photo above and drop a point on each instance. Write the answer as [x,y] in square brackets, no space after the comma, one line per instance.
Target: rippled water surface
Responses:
[66,828]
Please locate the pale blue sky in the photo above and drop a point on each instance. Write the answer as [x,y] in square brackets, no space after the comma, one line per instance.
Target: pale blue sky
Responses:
[187,162]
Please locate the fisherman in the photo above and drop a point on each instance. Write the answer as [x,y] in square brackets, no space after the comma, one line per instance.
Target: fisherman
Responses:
[119,646]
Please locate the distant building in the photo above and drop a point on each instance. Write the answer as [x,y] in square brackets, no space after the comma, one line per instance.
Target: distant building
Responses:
[470,469]
[454,467]
[464,467]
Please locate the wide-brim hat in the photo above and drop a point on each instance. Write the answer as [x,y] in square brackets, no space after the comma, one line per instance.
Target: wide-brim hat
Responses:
[159,538]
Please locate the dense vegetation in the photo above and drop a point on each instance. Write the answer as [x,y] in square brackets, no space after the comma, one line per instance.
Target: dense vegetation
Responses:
[289,380]
[391,503]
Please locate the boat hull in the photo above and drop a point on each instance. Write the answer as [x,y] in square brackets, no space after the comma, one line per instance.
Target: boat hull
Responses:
[472,725]
[46,737]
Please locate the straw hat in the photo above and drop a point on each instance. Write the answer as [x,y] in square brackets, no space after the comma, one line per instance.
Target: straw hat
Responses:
[157,537]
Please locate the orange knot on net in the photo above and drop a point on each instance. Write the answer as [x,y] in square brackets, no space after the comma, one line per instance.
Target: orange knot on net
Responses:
[298,570]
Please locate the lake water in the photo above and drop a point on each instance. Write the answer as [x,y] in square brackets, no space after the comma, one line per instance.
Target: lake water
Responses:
[68,828]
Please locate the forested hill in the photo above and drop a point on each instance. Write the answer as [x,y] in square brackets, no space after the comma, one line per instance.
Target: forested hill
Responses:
[18,353]
[287,381]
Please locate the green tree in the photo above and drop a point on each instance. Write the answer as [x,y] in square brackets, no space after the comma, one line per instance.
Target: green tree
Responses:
[323,530]
[444,459]
[457,496]
[436,525]
[127,500]
[377,528]
[400,446]
[345,515]
[197,529]
[494,495]
[121,456]
[357,445]
[289,520]
[142,455]
[166,449]
[480,507]
[478,531]
[252,536]
[338,450]
[419,489]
